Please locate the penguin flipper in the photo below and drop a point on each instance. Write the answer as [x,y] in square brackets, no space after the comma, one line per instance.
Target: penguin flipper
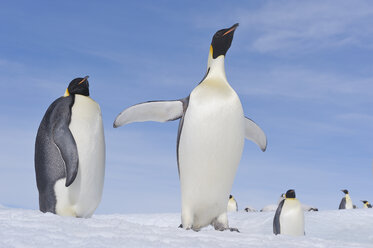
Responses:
[276,220]
[65,142]
[159,111]
[254,133]
[342,205]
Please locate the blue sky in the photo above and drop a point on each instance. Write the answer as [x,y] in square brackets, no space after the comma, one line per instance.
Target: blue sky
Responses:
[303,71]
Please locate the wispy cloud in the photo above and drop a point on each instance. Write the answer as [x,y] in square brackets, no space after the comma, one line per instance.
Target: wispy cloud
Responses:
[308,25]
[303,83]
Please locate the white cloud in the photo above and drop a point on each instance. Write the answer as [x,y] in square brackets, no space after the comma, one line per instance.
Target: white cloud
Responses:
[308,25]
[302,83]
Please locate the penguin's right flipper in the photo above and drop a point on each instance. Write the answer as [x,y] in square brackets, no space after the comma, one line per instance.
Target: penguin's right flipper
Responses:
[254,133]
[160,111]
[65,142]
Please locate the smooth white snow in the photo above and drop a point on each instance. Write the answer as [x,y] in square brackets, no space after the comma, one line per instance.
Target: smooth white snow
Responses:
[30,228]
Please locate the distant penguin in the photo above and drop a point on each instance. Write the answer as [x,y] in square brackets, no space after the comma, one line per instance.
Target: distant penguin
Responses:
[309,208]
[289,217]
[250,209]
[232,204]
[70,154]
[210,139]
[367,204]
[346,202]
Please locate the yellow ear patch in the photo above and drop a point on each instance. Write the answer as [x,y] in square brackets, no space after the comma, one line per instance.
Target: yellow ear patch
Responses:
[211,51]
[66,93]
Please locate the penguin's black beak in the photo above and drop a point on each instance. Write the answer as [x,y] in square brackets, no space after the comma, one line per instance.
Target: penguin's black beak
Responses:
[231,29]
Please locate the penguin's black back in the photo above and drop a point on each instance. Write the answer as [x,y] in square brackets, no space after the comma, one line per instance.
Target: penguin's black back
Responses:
[49,161]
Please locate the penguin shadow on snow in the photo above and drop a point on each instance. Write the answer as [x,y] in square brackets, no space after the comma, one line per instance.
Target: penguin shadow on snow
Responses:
[210,139]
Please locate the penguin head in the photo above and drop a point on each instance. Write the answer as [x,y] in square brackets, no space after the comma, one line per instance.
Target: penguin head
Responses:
[78,86]
[290,194]
[222,41]
[344,191]
[230,196]
[365,202]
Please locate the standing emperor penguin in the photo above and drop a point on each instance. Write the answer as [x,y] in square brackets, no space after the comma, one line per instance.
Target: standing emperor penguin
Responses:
[346,202]
[366,204]
[289,217]
[232,204]
[70,154]
[210,139]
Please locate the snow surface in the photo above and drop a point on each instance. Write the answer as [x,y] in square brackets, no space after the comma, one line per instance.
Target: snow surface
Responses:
[30,228]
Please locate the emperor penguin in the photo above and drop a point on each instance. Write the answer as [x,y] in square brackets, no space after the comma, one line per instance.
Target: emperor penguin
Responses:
[70,154]
[309,208]
[232,204]
[289,217]
[250,209]
[210,138]
[367,204]
[346,202]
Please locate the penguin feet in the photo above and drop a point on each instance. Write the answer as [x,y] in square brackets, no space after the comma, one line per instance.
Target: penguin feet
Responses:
[181,226]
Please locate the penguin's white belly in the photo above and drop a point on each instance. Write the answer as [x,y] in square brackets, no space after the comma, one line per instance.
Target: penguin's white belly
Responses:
[82,197]
[232,206]
[349,204]
[210,149]
[292,218]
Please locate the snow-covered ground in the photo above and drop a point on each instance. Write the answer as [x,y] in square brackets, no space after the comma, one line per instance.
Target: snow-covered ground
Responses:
[31,228]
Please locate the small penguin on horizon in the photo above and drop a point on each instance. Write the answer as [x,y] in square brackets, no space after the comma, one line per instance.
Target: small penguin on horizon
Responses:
[346,202]
[232,204]
[210,139]
[289,217]
[309,209]
[250,209]
[366,204]
[70,154]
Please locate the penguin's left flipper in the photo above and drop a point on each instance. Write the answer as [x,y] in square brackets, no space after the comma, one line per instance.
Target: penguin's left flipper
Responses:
[342,205]
[276,219]
[65,142]
[160,111]
[254,133]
